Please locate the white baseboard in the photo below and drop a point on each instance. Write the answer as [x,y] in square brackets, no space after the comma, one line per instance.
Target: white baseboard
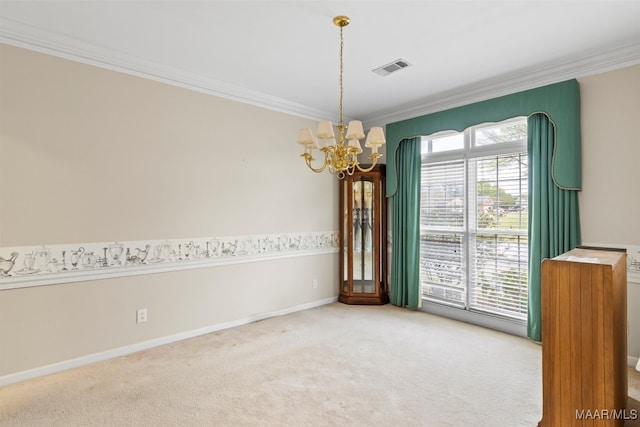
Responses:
[123,351]
[634,362]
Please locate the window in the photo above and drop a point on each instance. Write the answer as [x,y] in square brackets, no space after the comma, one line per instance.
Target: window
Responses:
[473,219]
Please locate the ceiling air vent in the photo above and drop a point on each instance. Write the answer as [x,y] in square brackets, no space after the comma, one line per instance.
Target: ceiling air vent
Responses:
[391,67]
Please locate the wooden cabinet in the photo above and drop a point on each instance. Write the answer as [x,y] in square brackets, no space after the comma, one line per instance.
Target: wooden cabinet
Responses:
[363,238]
[584,338]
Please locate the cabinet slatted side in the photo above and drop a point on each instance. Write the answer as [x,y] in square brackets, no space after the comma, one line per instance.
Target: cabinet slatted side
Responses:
[584,347]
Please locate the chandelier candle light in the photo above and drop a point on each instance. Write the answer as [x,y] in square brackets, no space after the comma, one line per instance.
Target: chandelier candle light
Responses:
[340,157]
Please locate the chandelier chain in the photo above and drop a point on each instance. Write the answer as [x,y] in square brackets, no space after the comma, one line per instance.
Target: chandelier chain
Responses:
[341,68]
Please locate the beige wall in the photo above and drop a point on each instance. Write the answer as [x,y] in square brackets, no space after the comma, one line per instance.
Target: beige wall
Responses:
[609,201]
[92,155]
[51,324]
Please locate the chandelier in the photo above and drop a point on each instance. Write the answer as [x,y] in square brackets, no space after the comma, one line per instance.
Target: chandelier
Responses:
[340,157]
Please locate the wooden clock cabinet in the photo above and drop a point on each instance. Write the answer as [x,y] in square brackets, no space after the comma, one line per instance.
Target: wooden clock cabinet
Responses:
[363,237]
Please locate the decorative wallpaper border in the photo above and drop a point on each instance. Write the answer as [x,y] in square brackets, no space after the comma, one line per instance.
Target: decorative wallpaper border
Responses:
[26,266]
[633,264]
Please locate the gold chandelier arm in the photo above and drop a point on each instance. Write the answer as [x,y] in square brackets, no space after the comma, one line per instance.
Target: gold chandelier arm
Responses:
[308,158]
[374,159]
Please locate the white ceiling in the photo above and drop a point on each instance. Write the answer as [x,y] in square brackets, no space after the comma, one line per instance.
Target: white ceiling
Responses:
[284,54]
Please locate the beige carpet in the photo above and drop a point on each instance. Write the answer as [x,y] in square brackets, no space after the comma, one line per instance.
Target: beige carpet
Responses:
[335,365]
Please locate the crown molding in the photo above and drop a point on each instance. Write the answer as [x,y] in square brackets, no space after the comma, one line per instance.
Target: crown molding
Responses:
[28,37]
[525,79]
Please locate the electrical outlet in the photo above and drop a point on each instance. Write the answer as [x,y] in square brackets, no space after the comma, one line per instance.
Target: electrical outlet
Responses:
[141,315]
[314,284]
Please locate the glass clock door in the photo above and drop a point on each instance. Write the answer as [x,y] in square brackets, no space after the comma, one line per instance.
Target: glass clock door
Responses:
[362,235]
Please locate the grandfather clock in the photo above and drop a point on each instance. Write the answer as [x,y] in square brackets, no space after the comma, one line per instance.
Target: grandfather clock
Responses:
[363,237]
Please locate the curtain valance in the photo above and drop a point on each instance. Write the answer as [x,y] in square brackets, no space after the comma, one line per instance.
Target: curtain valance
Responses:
[559,101]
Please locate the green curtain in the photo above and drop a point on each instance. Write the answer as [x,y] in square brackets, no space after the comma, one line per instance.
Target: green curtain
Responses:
[405,229]
[554,220]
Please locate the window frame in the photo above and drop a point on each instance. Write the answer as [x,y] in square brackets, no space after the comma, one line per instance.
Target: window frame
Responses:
[468,153]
